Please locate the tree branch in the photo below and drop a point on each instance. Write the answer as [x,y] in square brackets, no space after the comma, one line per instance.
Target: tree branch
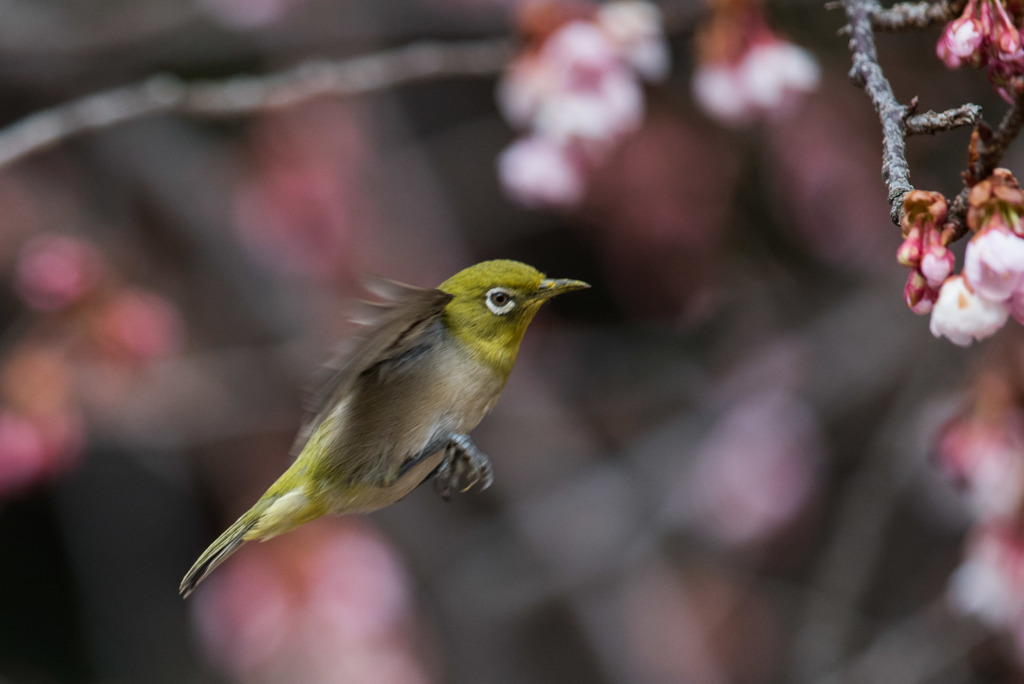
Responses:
[867,73]
[164,93]
[934,122]
[991,146]
[910,15]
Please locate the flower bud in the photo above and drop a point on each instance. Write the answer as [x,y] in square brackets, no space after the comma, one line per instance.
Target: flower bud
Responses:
[919,297]
[937,265]
[909,252]
[961,42]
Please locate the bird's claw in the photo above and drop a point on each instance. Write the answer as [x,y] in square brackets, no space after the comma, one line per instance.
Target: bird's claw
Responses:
[464,467]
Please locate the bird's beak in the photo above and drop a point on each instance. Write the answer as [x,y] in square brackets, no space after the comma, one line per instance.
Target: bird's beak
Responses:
[549,287]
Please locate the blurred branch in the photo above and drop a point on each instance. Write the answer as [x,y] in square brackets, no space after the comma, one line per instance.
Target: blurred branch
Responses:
[920,648]
[240,95]
[909,15]
[867,504]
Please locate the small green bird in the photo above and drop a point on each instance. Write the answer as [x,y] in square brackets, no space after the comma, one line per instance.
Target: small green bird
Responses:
[398,407]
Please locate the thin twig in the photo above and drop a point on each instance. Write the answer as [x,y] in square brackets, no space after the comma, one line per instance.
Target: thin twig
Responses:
[991,146]
[867,74]
[247,94]
[934,122]
[910,15]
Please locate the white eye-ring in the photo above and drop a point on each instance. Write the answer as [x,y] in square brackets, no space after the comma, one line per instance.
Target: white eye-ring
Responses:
[500,301]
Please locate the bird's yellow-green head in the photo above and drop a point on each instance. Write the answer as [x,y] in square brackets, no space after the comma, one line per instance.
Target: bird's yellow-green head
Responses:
[493,303]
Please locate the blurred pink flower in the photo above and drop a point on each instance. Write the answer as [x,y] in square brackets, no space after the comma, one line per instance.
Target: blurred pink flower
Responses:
[577,94]
[35,449]
[989,584]
[635,28]
[593,95]
[994,264]
[763,80]
[986,456]
[757,469]
[302,201]
[140,325]
[536,172]
[963,316]
[327,603]
[53,272]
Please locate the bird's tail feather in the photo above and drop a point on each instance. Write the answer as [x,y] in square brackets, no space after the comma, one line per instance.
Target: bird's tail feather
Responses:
[219,551]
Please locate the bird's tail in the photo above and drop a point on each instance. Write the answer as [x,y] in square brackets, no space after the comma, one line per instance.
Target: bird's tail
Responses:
[219,551]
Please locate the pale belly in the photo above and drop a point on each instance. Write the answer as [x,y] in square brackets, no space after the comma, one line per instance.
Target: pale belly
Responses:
[424,414]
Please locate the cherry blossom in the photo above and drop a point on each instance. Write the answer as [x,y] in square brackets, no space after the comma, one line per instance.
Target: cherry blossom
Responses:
[55,271]
[994,264]
[963,316]
[577,93]
[536,172]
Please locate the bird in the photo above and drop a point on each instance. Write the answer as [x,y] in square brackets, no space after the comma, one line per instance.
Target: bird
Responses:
[396,409]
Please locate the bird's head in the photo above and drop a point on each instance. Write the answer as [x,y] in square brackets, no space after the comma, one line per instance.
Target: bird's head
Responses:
[493,303]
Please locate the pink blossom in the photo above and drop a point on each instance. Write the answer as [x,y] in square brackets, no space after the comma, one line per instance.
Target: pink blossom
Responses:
[961,41]
[327,603]
[937,265]
[774,70]
[763,81]
[142,325]
[757,468]
[994,264]
[720,91]
[527,81]
[989,584]
[985,457]
[22,452]
[536,172]
[963,316]
[635,28]
[34,449]
[595,97]
[53,272]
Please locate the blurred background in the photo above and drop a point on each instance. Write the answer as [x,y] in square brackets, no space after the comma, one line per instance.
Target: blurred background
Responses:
[738,458]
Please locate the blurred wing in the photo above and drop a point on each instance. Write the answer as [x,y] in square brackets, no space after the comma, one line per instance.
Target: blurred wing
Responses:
[393,328]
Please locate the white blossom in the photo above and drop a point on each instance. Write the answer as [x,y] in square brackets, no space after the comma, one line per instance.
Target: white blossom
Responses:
[994,264]
[963,316]
[537,172]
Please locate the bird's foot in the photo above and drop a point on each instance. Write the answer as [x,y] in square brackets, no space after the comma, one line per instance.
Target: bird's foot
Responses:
[464,467]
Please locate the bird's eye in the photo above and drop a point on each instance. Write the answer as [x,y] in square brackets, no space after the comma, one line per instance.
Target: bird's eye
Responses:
[499,301]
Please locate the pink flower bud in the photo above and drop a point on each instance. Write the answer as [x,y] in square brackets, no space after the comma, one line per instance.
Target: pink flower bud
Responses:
[1008,47]
[937,265]
[909,252]
[961,42]
[919,297]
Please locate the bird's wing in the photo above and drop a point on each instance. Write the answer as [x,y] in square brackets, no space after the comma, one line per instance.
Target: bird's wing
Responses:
[393,328]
